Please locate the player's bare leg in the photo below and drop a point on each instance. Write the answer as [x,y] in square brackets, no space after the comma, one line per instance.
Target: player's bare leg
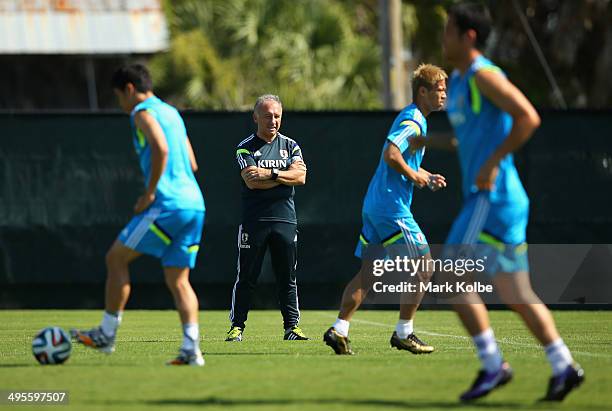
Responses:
[473,314]
[516,291]
[494,372]
[118,287]
[102,338]
[186,302]
[356,291]
[409,302]
[185,299]
[408,308]
[354,294]
[404,337]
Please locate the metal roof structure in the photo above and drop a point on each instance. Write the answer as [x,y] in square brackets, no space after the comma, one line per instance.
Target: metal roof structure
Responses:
[82,27]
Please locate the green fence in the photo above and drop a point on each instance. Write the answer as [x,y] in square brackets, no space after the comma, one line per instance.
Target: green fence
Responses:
[68,183]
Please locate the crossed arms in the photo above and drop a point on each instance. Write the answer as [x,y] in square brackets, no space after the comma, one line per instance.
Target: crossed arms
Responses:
[257,178]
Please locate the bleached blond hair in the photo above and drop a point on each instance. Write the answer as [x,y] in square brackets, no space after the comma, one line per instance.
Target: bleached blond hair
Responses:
[426,75]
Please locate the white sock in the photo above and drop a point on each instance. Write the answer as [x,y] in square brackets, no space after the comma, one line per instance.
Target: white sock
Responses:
[488,351]
[110,323]
[404,328]
[559,356]
[341,327]
[191,337]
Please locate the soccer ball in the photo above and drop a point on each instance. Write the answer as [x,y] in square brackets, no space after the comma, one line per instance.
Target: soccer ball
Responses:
[51,346]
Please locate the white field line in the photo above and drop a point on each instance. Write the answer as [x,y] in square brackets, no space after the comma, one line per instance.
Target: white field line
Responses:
[501,341]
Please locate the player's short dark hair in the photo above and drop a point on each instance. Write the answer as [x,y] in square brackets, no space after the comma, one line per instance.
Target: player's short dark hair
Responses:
[472,16]
[137,74]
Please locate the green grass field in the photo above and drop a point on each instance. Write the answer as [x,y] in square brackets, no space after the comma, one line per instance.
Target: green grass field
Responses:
[266,373]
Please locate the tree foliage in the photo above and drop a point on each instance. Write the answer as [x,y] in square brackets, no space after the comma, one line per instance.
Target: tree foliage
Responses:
[576,40]
[224,53]
[325,54]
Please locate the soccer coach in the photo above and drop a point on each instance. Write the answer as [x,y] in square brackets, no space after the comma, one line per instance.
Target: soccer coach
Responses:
[271,165]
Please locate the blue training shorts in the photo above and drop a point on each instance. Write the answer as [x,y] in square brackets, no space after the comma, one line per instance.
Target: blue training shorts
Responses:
[385,236]
[172,236]
[498,230]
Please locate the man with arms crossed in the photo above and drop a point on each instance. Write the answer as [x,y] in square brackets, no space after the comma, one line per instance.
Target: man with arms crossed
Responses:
[387,220]
[492,119]
[168,217]
[271,164]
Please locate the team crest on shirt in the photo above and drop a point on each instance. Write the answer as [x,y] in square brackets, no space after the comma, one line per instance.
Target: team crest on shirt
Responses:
[421,240]
[284,154]
[244,239]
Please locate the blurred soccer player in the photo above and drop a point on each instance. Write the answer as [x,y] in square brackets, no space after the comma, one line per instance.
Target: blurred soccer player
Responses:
[388,224]
[492,119]
[168,217]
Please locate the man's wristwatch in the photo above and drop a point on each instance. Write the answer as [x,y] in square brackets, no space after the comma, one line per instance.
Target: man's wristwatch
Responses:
[274,175]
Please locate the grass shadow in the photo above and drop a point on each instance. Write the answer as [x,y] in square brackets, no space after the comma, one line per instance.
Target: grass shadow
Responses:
[248,353]
[68,365]
[372,402]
